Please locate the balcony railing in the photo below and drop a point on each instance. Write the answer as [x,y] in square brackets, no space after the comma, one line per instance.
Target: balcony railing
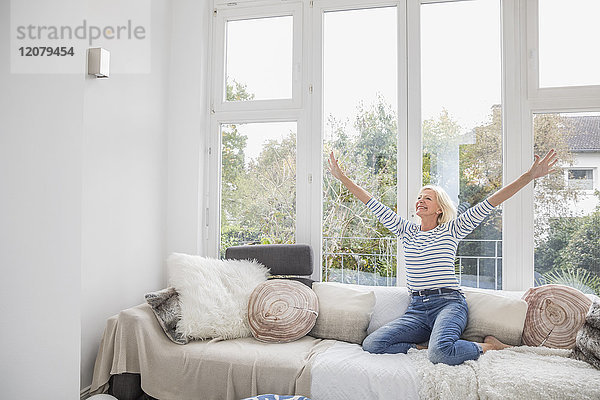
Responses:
[478,262]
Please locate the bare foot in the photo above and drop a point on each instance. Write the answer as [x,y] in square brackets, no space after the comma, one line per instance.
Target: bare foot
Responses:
[419,347]
[494,344]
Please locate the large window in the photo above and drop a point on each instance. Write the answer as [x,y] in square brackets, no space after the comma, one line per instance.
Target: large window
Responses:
[462,122]
[567,213]
[405,93]
[360,127]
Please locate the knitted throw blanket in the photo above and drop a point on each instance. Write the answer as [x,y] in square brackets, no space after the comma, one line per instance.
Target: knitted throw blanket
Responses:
[532,373]
[587,344]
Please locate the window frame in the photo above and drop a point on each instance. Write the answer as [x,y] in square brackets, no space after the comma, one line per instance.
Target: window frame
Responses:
[576,96]
[226,13]
[521,99]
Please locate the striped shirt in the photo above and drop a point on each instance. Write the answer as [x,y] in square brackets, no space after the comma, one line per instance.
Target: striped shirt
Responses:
[429,255]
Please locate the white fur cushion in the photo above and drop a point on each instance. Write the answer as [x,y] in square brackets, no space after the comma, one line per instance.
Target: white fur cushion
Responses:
[214,294]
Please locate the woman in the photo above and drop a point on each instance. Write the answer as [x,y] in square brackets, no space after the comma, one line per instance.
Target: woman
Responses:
[438,310]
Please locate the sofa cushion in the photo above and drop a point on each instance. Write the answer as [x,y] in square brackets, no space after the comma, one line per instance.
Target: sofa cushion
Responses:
[556,313]
[166,308]
[213,294]
[282,311]
[344,312]
[495,313]
[498,313]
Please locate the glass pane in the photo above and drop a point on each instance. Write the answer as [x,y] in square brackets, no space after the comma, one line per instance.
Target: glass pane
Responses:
[568,42]
[259,59]
[258,183]
[462,122]
[360,122]
[567,215]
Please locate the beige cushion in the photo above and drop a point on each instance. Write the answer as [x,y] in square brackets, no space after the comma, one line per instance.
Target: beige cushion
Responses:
[344,313]
[494,314]
[282,311]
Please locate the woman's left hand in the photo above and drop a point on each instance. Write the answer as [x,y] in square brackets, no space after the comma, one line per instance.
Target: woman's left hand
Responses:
[543,166]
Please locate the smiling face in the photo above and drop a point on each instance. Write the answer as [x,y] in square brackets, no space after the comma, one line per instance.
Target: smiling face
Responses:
[427,204]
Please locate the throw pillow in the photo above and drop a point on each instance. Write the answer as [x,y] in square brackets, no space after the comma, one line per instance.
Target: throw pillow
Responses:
[587,344]
[391,302]
[282,311]
[165,305]
[213,294]
[555,314]
[344,313]
[494,314]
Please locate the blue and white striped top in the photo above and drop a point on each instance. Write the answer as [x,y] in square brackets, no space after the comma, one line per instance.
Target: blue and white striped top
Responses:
[429,255]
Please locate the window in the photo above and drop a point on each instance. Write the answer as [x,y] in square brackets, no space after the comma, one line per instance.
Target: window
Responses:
[257,53]
[462,122]
[568,31]
[580,179]
[405,93]
[567,217]
[258,183]
[360,126]
[259,58]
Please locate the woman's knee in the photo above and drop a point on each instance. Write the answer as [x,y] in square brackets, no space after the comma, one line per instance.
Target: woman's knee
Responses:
[441,353]
[372,345]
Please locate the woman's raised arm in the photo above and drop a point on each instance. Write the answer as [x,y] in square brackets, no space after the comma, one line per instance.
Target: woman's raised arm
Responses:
[356,190]
[541,167]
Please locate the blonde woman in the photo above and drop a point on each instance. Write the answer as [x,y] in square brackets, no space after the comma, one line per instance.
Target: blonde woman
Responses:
[438,310]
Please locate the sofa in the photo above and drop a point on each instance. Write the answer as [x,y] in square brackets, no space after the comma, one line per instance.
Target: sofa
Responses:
[138,359]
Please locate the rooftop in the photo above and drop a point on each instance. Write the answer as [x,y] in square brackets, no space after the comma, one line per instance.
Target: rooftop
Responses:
[586,133]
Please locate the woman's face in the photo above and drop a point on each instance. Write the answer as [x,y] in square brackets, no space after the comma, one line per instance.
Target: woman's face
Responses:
[427,204]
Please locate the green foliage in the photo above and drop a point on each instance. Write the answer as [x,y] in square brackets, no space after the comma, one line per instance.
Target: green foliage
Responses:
[258,197]
[369,157]
[577,278]
[572,244]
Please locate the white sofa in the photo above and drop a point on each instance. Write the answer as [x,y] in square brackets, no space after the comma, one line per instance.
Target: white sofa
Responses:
[136,360]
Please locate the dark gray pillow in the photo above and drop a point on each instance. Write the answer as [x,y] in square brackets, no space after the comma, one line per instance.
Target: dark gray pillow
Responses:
[166,308]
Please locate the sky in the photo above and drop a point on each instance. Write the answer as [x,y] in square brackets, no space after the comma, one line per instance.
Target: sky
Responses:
[460,58]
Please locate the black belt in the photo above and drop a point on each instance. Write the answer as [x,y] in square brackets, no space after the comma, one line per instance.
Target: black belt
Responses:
[427,292]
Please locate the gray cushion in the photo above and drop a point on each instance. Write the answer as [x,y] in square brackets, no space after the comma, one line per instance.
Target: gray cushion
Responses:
[281,259]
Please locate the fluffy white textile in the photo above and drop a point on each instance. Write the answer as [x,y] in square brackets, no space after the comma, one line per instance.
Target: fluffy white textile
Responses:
[516,373]
[214,294]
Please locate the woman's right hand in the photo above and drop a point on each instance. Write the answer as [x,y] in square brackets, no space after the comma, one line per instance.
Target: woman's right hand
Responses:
[334,167]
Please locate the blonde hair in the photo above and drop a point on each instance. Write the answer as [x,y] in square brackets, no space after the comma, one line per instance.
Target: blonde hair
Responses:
[446,204]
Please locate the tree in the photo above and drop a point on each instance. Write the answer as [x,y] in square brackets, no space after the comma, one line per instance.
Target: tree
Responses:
[369,156]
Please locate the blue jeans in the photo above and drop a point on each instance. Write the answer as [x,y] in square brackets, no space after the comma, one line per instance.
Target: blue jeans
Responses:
[441,318]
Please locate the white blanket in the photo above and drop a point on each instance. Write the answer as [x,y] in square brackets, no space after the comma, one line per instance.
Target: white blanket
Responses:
[517,373]
[346,372]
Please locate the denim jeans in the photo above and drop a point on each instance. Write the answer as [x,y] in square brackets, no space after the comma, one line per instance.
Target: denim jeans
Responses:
[439,318]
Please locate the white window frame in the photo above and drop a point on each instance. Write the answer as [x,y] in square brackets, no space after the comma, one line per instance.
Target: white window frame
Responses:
[539,101]
[521,99]
[233,12]
[572,97]
[319,8]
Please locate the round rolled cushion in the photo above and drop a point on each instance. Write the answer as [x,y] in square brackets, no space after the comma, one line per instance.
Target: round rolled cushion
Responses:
[555,313]
[282,311]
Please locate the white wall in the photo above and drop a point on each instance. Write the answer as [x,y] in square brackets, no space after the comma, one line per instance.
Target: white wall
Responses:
[124,172]
[188,124]
[92,173]
[41,119]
